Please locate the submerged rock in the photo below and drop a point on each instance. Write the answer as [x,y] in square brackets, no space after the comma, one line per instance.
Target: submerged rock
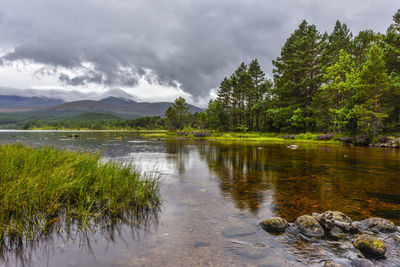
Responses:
[236,232]
[370,246]
[309,226]
[332,264]
[275,224]
[331,219]
[379,225]
[247,250]
[362,263]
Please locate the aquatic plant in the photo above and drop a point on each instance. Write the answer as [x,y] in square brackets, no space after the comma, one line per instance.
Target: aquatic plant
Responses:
[40,187]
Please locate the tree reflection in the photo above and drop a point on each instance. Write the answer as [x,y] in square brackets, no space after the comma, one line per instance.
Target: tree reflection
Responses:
[313,178]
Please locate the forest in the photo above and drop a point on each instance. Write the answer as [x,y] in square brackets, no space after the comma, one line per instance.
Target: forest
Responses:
[321,82]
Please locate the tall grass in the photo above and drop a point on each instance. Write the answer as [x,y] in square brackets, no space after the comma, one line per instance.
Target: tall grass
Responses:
[39,187]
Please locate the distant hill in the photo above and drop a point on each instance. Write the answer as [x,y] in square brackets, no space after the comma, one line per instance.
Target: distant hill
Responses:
[44,107]
[11,101]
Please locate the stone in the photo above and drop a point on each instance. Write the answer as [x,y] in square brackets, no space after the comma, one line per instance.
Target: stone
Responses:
[379,225]
[362,263]
[331,219]
[332,264]
[236,232]
[275,224]
[336,233]
[309,226]
[370,246]
[247,250]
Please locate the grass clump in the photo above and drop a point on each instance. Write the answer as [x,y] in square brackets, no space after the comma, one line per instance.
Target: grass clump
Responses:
[39,187]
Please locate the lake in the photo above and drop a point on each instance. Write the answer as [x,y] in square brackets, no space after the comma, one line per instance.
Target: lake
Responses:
[214,194]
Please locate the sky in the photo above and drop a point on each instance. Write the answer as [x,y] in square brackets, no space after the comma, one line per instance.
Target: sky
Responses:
[156,50]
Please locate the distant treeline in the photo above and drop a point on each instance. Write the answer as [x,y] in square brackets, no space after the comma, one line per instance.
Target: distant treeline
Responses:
[97,121]
[321,82]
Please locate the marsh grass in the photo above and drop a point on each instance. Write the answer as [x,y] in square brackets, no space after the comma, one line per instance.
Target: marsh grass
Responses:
[44,187]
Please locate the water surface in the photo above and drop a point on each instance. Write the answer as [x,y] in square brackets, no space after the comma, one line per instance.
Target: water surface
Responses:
[214,195]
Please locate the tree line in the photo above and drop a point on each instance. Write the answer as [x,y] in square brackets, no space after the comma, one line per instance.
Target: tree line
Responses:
[333,82]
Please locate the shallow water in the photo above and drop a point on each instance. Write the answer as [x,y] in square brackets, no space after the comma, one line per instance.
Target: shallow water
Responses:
[214,195]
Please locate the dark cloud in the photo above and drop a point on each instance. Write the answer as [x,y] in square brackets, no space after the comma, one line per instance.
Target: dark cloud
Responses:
[66,95]
[192,43]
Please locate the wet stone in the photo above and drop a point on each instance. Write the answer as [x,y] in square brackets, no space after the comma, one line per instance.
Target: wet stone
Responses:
[379,225]
[370,246]
[275,225]
[331,219]
[337,233]
[247,250]
[362,263]
[309,226]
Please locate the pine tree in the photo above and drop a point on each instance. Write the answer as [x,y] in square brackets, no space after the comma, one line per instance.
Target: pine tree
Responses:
[339,39]
[336,98]
[256,91]
[182,111]
[297,72]
[374,84]
[361,45]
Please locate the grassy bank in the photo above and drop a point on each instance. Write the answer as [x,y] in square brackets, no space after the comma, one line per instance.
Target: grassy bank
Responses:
[262,137]
[39,187]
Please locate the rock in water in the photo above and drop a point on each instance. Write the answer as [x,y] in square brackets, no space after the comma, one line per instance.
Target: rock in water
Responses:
[336,233]
[275,224]
[331,219]
[332,264]
[380,225]
[370,246]
[309,226]
[362,263]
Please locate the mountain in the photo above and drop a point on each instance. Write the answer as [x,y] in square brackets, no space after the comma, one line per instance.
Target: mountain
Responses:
[113,105]
[121,106]
[12,101]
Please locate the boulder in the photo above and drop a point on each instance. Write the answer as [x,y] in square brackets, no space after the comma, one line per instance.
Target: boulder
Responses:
[275,224]
[370,246]
[379,225]
[309,226]
[362,140]
[331,219]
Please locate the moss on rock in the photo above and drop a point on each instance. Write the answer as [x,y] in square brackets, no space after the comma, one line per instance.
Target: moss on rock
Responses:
[370,246]
[275,224]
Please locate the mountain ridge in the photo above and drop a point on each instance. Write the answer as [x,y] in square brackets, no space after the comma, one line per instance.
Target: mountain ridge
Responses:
[114,105]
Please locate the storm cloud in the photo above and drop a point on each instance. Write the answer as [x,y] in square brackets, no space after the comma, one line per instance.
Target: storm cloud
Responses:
[192,44]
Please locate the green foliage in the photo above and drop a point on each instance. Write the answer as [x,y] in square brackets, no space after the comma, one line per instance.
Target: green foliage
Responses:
[322,82]
[43,187]
[177,115]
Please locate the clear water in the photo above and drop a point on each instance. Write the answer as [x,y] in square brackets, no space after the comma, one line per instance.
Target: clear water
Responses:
[214,195]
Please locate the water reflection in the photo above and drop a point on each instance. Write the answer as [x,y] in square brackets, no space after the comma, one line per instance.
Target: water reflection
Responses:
[16,251]
[214,194]
[362,182]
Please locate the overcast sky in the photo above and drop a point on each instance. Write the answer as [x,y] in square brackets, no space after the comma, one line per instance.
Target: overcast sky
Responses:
[156,49]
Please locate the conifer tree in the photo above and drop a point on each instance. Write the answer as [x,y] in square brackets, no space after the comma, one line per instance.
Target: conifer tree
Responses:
[297,72]
[374,84]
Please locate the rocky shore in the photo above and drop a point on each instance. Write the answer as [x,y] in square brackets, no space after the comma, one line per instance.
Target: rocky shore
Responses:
[371,237]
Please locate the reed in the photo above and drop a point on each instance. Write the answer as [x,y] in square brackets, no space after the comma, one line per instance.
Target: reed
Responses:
[41,186]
